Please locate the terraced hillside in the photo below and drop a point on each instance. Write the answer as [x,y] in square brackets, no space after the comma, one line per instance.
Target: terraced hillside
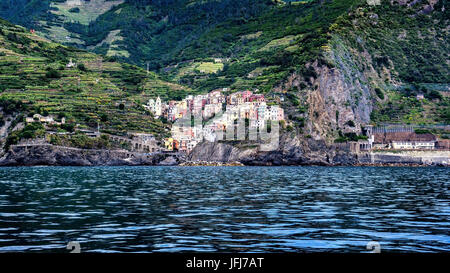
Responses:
[36,77]
[335,65]
[404,53]
[49,17]
[381,64]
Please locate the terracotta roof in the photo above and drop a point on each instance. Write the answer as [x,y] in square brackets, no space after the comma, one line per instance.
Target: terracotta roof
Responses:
[444,143]
[403,136]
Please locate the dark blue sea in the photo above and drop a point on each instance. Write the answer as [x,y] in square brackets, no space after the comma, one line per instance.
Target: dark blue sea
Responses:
[224,209]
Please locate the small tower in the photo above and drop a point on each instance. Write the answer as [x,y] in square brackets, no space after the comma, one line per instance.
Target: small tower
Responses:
[70,64]
[369,130]
[158,109]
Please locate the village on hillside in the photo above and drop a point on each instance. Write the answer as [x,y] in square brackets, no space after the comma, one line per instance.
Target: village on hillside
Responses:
[219,113]
[215,112]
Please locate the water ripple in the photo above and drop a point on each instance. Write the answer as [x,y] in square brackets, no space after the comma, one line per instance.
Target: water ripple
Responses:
[232,209]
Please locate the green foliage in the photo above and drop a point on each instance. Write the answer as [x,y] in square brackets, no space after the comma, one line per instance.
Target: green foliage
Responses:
[103,117]
[204,45]
[404,39]
[30,131]
[349,137]
[421,131]
[433,94]
[411,47]
[379,93]
[33,79]
[181,39]
[82,67]
[69,127]
[10,106]
[53,74]
[81,141]
[75,10]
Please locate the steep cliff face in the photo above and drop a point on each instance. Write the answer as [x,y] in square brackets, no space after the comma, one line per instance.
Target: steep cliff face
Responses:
[377,59]
[340,97]
[344,88]
[292,151]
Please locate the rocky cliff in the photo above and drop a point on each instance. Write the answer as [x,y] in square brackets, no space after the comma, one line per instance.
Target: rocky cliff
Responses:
[292,151]
[49,155]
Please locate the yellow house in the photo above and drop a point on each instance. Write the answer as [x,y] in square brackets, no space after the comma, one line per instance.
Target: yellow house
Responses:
[168,143]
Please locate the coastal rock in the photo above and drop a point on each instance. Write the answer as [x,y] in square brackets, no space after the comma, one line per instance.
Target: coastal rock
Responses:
[170,161]
[50,155]
[215,164]
[291,151]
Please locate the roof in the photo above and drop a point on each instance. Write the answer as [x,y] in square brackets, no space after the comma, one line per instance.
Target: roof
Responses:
[403,136]
[443,143]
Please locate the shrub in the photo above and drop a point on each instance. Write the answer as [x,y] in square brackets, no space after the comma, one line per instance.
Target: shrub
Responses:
[421,131]
[379,93]
[69,127]
[82,67]
[52,74]
[433,95]
[103,117]
[75,10]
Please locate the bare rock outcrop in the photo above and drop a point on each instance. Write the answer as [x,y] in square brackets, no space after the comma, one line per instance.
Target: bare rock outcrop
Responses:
[49,155]
[291,151]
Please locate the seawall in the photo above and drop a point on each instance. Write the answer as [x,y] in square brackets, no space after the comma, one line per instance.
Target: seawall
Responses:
[425,158]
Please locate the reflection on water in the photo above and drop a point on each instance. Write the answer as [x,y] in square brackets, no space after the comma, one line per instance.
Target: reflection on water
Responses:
[228,209]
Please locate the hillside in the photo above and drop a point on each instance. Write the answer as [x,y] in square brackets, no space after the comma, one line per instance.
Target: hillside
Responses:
[204,44]
[36,78]
[377,59]
[337,65]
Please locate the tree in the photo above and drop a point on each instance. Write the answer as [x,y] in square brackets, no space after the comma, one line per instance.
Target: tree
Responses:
[379,93]
[52,74]
[82,67]
[103,117]
[69,127]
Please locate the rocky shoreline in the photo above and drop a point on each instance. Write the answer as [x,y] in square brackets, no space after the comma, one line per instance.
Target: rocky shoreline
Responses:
[312,153]
[213,164]
[50,155]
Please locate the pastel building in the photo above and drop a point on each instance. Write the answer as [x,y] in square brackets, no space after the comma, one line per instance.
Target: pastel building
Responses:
[221,112]
[155,106]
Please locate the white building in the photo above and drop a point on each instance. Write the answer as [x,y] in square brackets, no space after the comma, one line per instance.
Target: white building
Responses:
[211,109]
[155,106]
[39,118]
[412,145]
[261,110]
[71,64]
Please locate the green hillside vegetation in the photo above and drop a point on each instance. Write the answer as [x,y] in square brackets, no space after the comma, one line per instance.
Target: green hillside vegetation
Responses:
[34,79]
[196,46]
[50,16]
[269,38]
[410,51]
[181,38]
